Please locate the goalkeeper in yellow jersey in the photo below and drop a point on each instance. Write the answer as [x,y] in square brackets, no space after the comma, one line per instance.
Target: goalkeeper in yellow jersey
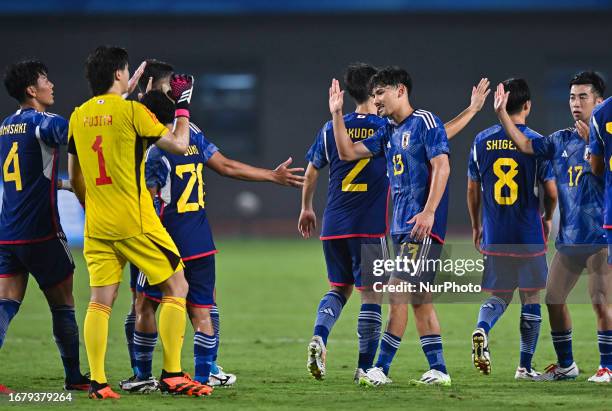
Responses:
[107,139]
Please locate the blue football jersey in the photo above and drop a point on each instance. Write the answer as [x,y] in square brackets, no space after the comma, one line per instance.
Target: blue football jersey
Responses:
[29,152]
[580,191]
[180,185]
[408,148]
[358,190]
[511,220]
[601,145]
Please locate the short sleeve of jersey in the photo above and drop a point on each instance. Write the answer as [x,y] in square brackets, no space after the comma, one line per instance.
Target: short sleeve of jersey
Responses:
[545,170]
[71,146]
[473,173]
[436,142]
[145,122]
[316,154]
[376,143]
[53,130]
[207,149]
[596,142]
[543,146]
[156,169]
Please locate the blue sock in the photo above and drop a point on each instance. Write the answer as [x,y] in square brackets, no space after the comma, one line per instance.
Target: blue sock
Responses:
[8,309]
[203,352]
[214,316]
[604,338]
[369,325]
[432,347]
[328,312]
[562,341]
[129,325]
[388,347]
[490,311]
[66,334]
[530,331]
[144,344]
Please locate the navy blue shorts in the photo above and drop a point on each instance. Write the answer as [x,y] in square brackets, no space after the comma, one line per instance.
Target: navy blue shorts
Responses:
[134,271]
[200,275]
[505,274]
[49,262]
[345,258]
[425,255]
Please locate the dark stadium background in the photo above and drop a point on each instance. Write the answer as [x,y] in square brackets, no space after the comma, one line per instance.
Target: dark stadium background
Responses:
[262,71]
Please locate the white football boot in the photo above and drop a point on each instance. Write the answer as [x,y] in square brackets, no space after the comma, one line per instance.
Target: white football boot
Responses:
[554,372]
[374,377]
[316,357]
[603,375]
[433,377]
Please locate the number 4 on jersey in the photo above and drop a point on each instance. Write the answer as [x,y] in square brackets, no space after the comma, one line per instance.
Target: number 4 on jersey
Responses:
[15,175]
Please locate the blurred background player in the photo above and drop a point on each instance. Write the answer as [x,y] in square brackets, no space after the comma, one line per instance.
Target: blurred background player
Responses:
[177,181]
[107,140]
[355,218]
[504,182]
[581,242]
[31,237]
[600,145]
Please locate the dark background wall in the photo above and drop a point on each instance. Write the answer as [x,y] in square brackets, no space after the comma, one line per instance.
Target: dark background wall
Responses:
[295,58]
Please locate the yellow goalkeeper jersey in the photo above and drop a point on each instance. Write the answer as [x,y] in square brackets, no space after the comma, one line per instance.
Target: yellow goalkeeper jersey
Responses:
[109,135]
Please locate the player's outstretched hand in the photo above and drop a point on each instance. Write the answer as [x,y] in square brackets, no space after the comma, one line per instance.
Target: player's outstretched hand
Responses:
[286,176]
[423,222]
[501,99]
[479,94]
[583,130]
[336,97]
[133,81]
[307,223]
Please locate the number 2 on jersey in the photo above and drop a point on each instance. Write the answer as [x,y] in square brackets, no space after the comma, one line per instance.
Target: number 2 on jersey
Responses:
[104,178]
[15,175]
[347,182]
[182,205]
[505,179]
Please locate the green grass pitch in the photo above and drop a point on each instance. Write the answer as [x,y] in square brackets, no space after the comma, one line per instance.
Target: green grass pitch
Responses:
[268,291]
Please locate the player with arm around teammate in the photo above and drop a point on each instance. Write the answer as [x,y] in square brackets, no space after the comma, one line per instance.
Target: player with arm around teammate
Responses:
[581,242]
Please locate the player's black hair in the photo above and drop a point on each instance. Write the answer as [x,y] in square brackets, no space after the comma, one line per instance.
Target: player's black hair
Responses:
[356,79]
[519,94]
[160,105]
[590,77]
[101,66]
[19,76]
[156,69]
[391,76]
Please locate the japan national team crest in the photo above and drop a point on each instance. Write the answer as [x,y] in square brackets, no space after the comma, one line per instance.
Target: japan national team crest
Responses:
[405,139]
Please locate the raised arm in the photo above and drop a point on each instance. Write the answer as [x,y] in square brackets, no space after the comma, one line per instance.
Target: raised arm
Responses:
[282,175]
[307,222]
[177,142]
[523,144]
[347,150]
[479,95]
[473,203]
[423,222]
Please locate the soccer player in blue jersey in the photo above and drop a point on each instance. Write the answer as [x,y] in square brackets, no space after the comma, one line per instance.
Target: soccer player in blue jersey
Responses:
[511,235]
[601,163]
[581,242]
[415,145]
[31,236]
[177,182]
[355,219]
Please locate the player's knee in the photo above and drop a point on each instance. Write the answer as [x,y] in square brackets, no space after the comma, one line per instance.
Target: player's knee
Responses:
[344,290]
[175,286]
[201,320]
